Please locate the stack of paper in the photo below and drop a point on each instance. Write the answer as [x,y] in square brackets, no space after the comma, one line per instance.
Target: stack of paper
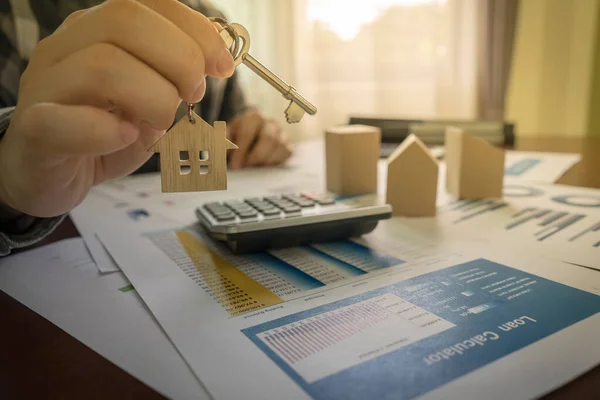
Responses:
[420,307]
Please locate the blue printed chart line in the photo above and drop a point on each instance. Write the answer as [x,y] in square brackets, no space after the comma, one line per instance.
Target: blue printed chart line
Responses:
[552,221]
[521,166]
[594,228]
[479,208]
[244,284]
[549,222]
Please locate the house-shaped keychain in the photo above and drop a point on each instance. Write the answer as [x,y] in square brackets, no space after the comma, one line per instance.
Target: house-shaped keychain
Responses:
[193,155]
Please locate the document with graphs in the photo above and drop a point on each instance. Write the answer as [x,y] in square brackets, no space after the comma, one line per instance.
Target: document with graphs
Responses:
[380,317]
[556,221]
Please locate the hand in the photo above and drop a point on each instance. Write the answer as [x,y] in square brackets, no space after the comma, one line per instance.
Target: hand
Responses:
[260,141]
[98,93]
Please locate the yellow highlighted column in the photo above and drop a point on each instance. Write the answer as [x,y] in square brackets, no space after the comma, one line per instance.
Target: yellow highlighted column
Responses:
[236,291]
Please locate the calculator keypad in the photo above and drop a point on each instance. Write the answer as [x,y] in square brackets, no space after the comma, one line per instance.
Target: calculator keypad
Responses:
[270,207]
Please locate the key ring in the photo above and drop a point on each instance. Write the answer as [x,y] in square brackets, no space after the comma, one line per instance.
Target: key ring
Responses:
[226,26]
[190,107]
[236,33]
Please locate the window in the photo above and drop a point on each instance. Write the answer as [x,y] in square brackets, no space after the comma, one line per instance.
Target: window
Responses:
[398,58]
[184,163]
[187,164]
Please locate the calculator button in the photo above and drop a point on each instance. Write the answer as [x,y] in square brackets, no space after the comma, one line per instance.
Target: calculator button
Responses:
[247,214]
[325,201]
[223,217]
[234,203]
[282,203]
[271,212]
[291,209]
[221,211]
[273,198]
[301,201]
[244,210]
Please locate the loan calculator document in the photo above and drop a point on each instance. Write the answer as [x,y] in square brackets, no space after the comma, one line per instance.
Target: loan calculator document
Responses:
[369,322]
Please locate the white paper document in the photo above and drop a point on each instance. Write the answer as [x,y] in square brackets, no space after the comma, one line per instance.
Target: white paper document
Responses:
[557,221]
[366,319]
[538,166]
[61,283]
[102,211]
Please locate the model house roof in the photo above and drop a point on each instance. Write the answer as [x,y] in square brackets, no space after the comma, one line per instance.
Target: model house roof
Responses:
[185,135]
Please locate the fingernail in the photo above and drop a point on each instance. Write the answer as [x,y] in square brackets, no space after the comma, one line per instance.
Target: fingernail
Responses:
[129,132]
[200,92]
[225,63]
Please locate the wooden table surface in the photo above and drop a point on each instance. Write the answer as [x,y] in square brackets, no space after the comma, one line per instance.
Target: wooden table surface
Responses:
[39,360]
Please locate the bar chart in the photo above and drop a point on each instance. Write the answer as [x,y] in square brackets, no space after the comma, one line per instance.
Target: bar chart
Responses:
[246,283]
[591,230]
[527,220]
[326,343]
[471,209]
[551,222]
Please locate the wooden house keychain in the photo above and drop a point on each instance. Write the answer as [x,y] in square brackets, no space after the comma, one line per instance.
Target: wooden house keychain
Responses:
[193,154]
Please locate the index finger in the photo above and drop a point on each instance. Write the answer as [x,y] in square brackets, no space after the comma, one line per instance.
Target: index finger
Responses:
[199,28]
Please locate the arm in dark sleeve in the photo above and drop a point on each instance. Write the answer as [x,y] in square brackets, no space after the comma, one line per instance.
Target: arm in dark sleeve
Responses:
[234,100]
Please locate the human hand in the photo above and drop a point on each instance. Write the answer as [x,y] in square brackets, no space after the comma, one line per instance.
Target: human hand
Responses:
[98,93]
[260,141]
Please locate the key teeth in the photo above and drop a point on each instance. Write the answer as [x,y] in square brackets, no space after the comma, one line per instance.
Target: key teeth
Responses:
[293,113]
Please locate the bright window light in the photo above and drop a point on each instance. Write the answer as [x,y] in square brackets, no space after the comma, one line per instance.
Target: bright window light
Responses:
[347,18]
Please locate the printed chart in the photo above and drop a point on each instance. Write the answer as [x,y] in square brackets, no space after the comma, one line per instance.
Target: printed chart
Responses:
[405,339]
[243,284]
[330,342]
[521,167]
[538,167]
[591,230]
[573,218]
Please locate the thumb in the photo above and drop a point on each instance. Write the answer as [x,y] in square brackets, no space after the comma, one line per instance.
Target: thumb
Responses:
[65,130]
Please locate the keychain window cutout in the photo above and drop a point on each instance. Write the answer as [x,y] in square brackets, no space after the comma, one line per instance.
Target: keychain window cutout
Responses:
[195,136]
[184,156]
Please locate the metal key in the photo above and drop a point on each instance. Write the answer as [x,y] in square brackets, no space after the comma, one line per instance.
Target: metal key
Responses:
[232,34]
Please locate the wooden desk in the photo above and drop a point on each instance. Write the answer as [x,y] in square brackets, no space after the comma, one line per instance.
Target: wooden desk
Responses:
[38,360]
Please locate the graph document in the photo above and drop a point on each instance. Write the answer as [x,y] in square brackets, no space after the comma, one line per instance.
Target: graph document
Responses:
[241,284]
[351,320]
[560,221]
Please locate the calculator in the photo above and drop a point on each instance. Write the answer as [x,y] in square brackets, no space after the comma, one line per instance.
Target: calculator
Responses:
[258,223]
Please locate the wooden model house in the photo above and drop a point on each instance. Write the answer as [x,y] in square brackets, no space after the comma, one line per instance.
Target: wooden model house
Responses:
[475,168]
[412,180]
[193,156]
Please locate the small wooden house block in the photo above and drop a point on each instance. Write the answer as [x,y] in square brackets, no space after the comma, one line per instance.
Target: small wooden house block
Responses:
[351,156]
[475,168]
[412,180]
[193,156]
